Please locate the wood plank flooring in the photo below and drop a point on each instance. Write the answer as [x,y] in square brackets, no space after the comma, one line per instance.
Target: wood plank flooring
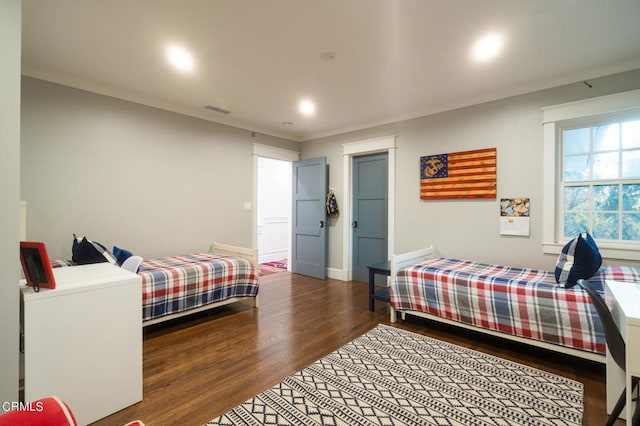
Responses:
[198,368]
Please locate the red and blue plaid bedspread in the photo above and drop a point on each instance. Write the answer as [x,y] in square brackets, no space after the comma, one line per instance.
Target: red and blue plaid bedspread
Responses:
[519,301]
[178,283]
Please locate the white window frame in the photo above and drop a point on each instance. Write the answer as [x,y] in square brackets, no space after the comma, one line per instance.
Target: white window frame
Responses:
[554,119]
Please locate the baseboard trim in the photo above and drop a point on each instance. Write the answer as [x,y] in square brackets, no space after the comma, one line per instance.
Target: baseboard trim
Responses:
[273,256]
[337,274]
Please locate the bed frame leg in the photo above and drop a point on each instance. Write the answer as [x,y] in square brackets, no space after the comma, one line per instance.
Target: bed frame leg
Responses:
[255,301]
[392,315]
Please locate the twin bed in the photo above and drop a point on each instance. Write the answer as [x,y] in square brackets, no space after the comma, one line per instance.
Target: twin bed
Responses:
[175,286]
[525,305]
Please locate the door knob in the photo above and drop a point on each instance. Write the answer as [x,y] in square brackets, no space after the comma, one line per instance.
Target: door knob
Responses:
[322,224]
[354,224]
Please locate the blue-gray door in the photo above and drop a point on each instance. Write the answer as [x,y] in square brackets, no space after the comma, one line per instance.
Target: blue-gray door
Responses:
[309,236]
[370,213]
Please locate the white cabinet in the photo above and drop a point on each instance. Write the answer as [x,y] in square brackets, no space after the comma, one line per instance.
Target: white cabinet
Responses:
[83,340]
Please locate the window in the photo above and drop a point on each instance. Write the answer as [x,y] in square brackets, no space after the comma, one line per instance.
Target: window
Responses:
[600,184]
[592,174]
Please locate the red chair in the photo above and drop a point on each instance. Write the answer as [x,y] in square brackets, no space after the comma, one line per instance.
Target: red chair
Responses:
[51,411]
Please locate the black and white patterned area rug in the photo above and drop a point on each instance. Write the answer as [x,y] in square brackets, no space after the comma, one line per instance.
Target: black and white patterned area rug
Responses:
[390,376]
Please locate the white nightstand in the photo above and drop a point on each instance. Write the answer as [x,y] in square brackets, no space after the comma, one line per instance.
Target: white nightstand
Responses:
[83,340]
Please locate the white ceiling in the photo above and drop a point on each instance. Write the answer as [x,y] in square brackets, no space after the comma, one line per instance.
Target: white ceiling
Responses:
[394,59]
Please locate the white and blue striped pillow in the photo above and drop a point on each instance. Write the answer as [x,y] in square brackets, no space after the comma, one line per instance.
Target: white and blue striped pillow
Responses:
[579,259]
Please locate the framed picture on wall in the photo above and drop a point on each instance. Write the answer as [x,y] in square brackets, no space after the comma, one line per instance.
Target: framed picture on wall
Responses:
[466,174]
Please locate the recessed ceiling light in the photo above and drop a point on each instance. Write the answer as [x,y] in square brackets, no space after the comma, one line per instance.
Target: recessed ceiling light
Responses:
[307,107]
[180,58]
[488,47]
[327,56]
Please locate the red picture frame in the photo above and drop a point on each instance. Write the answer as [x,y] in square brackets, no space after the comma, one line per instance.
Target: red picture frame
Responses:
[36,266]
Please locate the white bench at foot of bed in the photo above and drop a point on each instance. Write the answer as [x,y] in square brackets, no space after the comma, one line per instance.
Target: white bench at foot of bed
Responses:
[401,261]
[251,254]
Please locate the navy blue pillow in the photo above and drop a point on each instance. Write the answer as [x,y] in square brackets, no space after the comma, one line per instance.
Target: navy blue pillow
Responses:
[84,252]
[121,254]
[579,259]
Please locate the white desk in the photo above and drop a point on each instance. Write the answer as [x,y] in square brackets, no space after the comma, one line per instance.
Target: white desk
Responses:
[83,340]
[623,299]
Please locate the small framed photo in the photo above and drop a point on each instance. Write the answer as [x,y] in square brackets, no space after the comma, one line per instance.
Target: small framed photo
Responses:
[36,265]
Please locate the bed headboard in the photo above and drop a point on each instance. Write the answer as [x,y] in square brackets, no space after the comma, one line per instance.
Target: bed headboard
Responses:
[399,261]
[251,254]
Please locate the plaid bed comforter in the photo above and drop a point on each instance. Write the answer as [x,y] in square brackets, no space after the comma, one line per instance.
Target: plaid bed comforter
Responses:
[178,283]
[519,301]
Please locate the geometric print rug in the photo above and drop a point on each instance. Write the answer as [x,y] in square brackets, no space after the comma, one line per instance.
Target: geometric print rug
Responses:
[390,376]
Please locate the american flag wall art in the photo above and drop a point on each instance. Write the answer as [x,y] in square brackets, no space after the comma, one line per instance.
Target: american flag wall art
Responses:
[467,174]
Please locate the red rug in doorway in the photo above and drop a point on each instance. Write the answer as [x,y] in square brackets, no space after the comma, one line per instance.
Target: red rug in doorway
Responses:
[268,268]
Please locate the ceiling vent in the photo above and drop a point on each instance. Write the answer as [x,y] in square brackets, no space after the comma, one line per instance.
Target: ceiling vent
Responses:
[218,109]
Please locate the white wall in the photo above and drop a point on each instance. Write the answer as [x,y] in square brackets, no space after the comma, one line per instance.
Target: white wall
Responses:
[10,42]
[274,209]
[81,150]
[154,182]
[467,228]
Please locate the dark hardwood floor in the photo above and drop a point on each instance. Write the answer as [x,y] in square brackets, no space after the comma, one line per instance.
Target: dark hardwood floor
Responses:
[198,368]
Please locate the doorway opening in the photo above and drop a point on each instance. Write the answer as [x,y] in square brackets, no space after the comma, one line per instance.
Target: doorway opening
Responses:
[272,189]
[273,212]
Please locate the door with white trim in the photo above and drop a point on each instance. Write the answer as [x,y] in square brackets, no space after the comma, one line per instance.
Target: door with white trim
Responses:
[370,208]
[308,235]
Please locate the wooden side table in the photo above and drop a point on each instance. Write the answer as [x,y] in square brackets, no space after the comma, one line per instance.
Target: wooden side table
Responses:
[380,268]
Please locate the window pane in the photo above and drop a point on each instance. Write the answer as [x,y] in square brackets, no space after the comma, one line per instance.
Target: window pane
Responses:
[605,166]
[576,141]
[631,164]
[631,227]
[575,223]
[631,197]
[607,137]
[576,198]
[601,179]
[576,168]
[605,226]
[605,197]
[631,134]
